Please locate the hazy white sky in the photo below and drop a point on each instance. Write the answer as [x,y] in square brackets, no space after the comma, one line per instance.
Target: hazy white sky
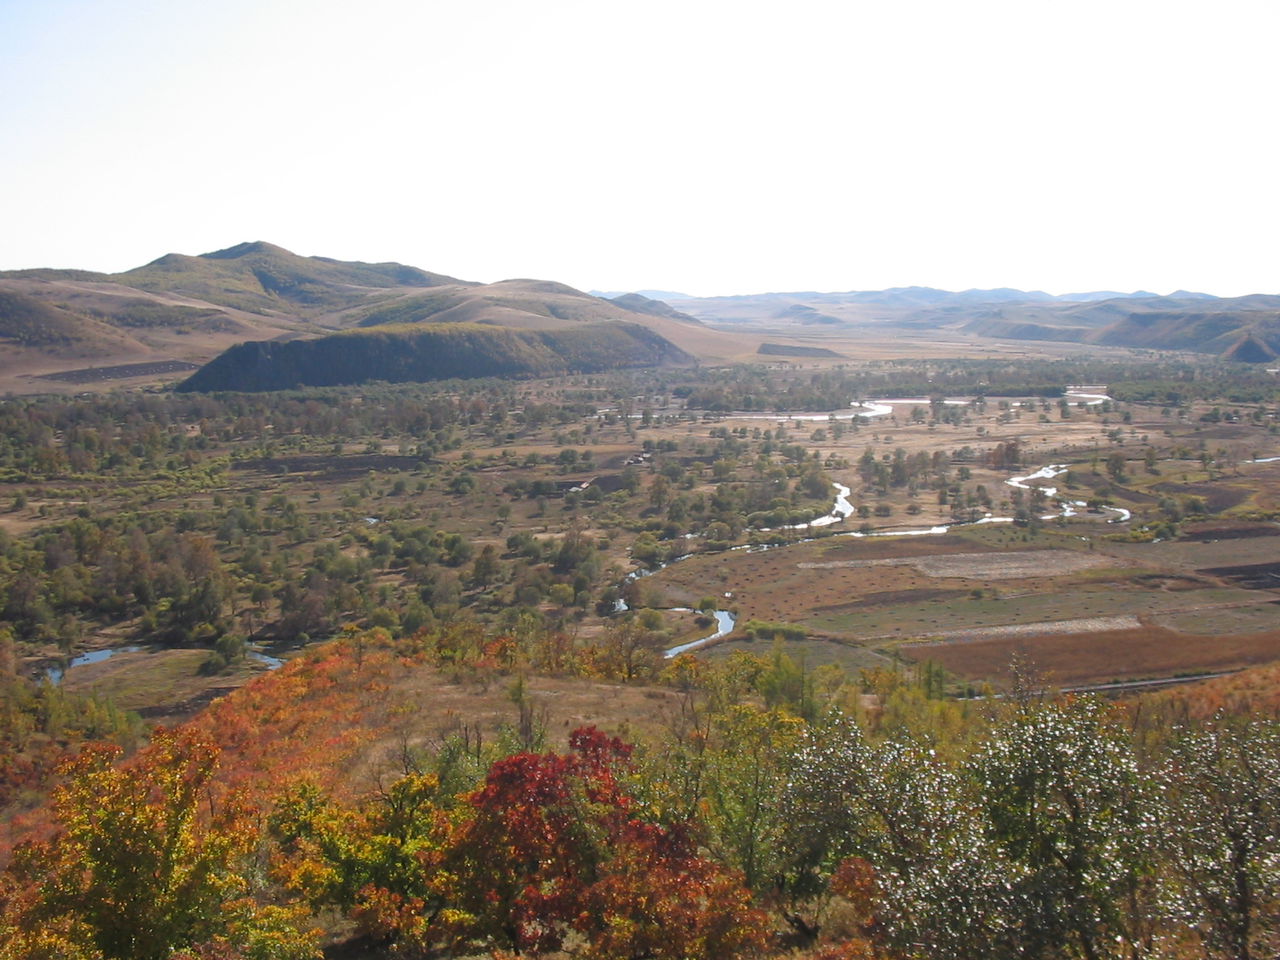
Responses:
[706,146]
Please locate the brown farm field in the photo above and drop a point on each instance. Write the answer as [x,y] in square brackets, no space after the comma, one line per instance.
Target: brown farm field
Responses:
[1087,658]
[1083,611]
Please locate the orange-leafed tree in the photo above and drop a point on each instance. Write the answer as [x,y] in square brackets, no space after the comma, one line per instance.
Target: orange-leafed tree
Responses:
[146,865]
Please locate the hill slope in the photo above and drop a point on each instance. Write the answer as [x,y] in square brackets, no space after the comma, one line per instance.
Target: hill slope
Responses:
[1224,329]
[29,321]
[262,277]
[408,352]
[178,308]
[192,308]
[529,304]
[1241,328]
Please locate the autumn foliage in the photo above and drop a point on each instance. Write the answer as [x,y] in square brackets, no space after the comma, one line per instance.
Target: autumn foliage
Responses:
[146,866]
[552,847]
[758,824]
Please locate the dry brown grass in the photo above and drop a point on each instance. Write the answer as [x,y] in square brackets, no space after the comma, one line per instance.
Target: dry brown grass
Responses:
[1071,659]
[794,583]
[1017,565]
[424,705]
[164,685]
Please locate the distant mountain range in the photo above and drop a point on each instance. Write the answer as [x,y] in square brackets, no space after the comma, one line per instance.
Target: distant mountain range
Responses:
[1239,328]
[179,312]
[649,294]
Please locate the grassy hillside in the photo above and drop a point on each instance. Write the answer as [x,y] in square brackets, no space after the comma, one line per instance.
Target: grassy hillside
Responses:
[1205,332]
[529,304]
[189,309]
[31,322]
[263,277]
[1244,328]
[64,328]
[409,352]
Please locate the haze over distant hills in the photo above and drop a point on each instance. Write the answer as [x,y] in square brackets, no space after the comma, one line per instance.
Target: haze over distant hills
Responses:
[1241,328]
[650,294]
[181,311]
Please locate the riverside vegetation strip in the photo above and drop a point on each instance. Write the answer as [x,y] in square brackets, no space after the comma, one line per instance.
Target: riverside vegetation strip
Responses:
[295,512]
[495,522]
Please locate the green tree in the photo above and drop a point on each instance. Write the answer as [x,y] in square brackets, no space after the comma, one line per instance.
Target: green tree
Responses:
[1115,466]
[747,762]
[364,860]
[1222,834]
[1063,798]
[485,567]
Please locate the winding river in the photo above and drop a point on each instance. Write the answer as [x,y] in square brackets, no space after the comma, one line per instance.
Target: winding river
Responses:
[724,626]
[842,508]
[840,511]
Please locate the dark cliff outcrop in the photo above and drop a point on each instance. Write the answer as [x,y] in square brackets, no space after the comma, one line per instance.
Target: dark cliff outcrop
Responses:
[416,353]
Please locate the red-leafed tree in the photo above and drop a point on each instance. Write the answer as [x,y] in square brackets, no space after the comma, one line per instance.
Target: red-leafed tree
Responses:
[539,836]
[557,844]
[657,898]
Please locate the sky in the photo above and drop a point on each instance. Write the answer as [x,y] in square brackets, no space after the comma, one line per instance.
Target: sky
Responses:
[698,146]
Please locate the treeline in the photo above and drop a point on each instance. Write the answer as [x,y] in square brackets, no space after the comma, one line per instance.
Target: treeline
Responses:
[780,814]
[1248,386]
[41,724]
[1156,381]
[220,577]
[228,566]
[235,566]
[111,571]
[120,434]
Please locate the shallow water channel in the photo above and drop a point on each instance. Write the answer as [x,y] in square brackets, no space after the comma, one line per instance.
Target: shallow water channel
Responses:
[842,509]
[55,674]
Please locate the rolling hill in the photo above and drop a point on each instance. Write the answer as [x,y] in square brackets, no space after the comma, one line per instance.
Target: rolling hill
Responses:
[1241,328]
[150,323]
[179,311]
[261,277]
[528,304]
[29,321]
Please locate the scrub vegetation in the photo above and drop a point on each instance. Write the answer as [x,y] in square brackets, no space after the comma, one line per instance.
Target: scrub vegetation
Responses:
[476,746]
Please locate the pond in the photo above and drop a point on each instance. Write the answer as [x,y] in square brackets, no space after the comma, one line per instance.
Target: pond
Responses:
[55,674]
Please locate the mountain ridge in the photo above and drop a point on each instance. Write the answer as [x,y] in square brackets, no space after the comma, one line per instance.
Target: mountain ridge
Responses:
[180,307]
[190,309]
